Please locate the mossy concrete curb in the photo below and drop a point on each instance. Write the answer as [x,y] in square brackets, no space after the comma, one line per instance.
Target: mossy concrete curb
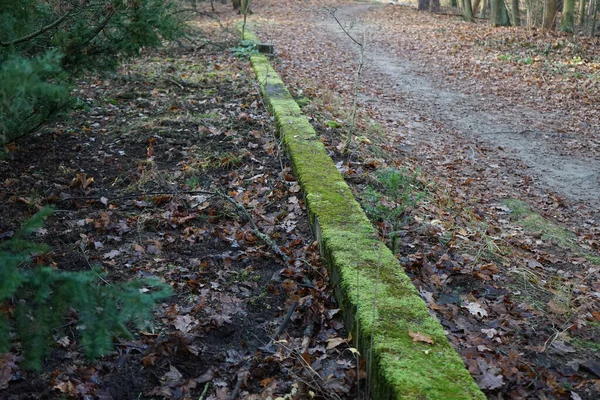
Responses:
[379,302]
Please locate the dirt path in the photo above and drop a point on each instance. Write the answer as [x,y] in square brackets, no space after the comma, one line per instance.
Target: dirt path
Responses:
[525,136]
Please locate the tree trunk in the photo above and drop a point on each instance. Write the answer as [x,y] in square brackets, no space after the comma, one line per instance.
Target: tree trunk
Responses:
[485,9]
[550,10]
[435,5]
[505,15]
[453,3]
[423,5]
[515,13]
[582,5]
[568,16]
[591,17]
[496,10]
[499,15]
[476,5]
[468,11]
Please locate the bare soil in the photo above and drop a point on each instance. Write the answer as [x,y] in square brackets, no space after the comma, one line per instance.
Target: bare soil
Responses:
[148,179]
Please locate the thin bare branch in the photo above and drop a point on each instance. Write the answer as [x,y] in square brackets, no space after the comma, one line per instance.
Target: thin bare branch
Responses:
[35,34]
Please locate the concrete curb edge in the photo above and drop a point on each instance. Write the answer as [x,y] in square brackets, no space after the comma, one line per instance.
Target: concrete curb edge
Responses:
[379,302]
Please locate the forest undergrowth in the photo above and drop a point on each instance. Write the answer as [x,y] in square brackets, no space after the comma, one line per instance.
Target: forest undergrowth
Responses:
[170,170]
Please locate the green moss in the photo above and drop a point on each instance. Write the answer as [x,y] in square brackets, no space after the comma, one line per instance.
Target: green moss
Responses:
[249,35]
[208,116]
[303,101]
[378,298]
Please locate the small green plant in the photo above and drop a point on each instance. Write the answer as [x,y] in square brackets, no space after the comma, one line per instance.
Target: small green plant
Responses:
[303,101]
[526,60]
[245,49]
[333,124]
[387,202]
[35,300]
[193,182]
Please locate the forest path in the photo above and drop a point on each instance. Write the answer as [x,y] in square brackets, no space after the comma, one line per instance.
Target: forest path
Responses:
[525,139]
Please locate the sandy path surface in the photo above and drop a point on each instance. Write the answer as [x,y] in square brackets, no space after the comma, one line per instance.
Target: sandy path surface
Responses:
[524,138]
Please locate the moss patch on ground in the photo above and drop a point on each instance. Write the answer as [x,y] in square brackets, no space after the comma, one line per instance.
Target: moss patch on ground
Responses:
[381,306]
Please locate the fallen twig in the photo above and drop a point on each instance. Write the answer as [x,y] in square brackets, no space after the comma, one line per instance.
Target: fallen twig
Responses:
[132,196]
[265,238]
[241,378]
[203,395]
[286,320]
[308,333]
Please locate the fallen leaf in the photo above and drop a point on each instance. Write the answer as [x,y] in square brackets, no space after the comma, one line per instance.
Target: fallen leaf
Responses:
[476,309]
[65,387]
[592,366]
[265,382]
[490,333]
[419,337]
[557,308]
[534,264]
[335,342]
[207,376]
[490,381]
[560,347]
[184,323]
[171,378]
[112,254]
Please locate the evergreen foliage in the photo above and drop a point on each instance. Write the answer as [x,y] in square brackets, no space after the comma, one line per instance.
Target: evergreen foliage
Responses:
[31,91]
[42,43]
[36,301]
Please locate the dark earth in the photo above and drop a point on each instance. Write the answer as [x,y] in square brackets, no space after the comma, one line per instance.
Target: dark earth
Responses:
[170,169]
[503,245]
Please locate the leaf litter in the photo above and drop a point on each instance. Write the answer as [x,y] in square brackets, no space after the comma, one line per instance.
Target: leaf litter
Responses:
[172,170]
[514,283]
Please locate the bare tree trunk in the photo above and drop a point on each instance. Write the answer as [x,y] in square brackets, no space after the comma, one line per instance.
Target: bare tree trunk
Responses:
[582,4]
[468,11]
[567,24]
[515,13]
[550,10]
[423,5]
[485,9]
[591,17]
[499,16]
[476,5]
[435,5]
